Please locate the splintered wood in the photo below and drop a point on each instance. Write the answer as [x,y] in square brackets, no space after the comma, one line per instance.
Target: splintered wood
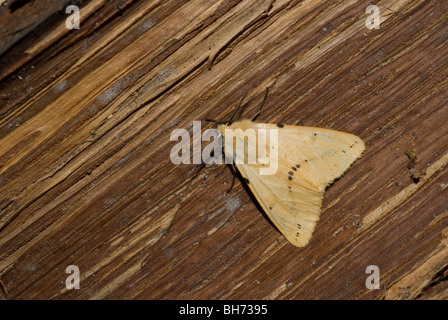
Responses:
[89,195]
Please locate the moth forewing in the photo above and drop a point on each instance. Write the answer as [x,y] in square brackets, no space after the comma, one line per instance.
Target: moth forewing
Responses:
[268,150]
[241,145]
[303,161]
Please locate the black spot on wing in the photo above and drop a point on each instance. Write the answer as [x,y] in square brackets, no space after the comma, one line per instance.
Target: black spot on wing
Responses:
[299,227]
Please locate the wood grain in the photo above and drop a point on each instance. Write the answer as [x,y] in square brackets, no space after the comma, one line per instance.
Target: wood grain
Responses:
[86,178]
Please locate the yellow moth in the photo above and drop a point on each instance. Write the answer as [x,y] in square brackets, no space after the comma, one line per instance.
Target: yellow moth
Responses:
[308,160]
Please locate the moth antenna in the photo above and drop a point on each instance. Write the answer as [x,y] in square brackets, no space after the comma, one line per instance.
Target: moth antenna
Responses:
[261,105]
[215,121]
[237,109]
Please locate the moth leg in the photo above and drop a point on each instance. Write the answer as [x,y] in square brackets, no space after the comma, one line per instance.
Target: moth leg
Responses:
[196,166]
[233,179]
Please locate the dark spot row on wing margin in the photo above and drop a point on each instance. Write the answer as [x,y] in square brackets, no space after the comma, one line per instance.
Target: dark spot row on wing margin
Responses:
[299,227]
[356,142]
[280,125]
[291,173]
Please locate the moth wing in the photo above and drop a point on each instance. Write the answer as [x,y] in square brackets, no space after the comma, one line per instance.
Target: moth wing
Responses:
[293,207]
[308,160]
[323,155]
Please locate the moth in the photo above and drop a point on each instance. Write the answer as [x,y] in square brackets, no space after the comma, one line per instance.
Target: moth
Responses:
[308,160]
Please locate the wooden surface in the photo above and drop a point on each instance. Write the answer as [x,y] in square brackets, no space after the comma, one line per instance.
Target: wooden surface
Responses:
[85,123]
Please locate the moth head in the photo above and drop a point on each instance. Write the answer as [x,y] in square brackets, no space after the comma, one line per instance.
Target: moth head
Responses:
[240,124]
[222,128]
